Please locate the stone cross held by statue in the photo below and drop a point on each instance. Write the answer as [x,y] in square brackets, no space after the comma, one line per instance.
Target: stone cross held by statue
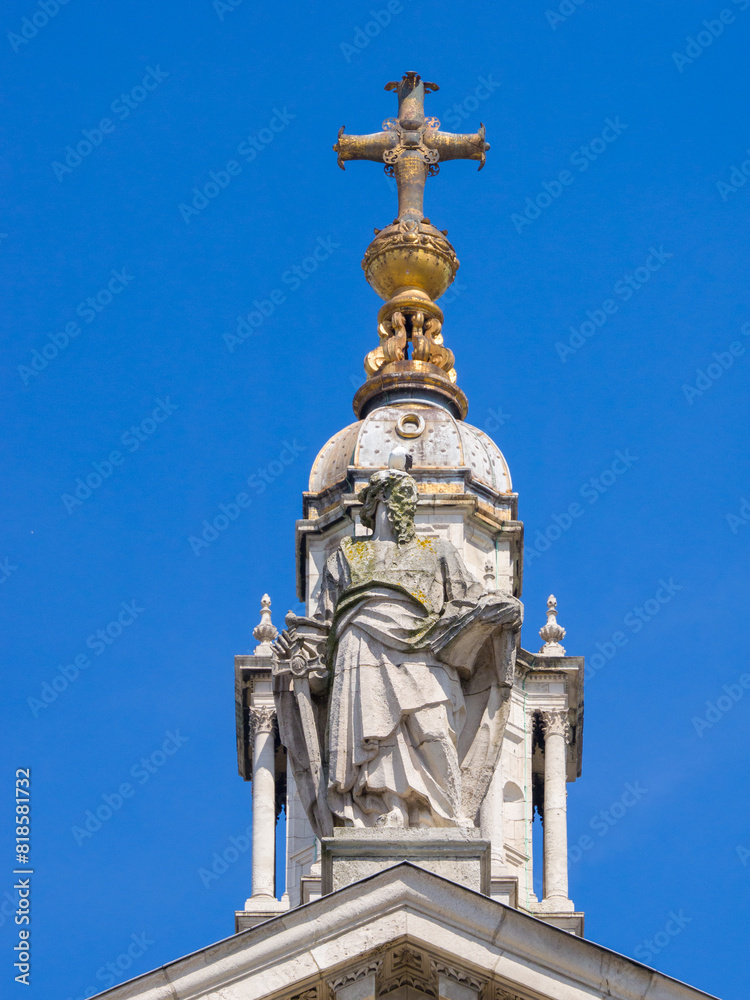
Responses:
[411,145]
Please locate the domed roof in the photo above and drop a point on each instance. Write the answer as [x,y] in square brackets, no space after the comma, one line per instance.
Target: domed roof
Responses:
[431,435]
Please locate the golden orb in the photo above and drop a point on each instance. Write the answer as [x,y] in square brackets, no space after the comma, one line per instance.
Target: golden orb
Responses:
[408,254]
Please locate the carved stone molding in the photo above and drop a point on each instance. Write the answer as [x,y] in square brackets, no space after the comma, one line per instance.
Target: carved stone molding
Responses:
[261,720]
[349,976]
[311,994]
[404,964]
[458,975]
[408,979]
[407,966]
[556,724]
[406,955]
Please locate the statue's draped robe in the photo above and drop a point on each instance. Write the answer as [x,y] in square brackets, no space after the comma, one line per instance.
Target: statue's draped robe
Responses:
[396,712]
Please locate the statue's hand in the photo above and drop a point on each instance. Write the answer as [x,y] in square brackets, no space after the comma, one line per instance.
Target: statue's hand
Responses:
[300,649]
[283,645]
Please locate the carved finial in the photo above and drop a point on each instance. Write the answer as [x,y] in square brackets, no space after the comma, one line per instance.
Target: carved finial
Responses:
[265,631]
[552,633]
[489,576]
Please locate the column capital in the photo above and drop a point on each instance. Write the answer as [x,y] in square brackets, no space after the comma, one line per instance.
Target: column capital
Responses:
[555,722]
[262,719]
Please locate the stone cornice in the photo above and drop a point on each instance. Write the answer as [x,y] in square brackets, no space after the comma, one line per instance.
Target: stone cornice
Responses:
[517,952]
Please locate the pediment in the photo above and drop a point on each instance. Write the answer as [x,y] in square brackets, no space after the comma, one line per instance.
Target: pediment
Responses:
[404,934]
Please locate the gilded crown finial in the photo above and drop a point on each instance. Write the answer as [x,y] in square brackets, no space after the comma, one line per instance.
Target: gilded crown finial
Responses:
[552,633]
[410,263]
[265,631]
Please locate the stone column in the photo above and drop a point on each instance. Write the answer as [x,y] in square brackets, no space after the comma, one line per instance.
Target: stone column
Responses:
[556,735]
[491,819]
[262,720]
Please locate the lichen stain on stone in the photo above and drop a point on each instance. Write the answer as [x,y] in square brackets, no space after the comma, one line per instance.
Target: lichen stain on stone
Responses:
[358,550]
[426,543]
[361,557]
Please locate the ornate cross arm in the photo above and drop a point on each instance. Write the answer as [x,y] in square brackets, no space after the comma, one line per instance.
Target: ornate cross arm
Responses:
[411,145]
[452,146]
[364,147]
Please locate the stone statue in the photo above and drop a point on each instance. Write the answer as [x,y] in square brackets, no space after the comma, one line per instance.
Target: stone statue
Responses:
[393,701]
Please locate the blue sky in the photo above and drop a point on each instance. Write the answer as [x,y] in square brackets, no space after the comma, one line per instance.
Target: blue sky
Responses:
[601,311]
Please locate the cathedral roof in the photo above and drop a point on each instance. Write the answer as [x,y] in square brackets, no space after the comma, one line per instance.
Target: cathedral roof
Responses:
[430,434]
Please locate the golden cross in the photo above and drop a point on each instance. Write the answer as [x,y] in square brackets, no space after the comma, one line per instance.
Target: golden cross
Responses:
[411,145]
